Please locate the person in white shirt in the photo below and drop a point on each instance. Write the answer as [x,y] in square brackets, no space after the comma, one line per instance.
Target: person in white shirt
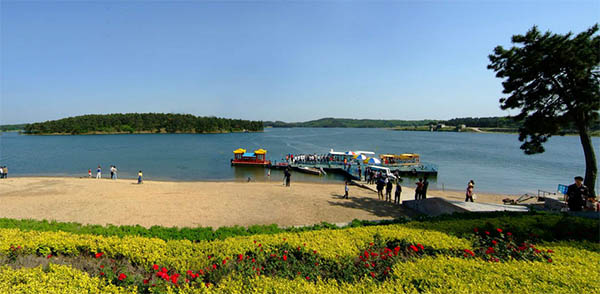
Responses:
[115,172]
[99,173]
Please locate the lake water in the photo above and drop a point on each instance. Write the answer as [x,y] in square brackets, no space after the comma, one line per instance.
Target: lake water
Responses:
[494,161]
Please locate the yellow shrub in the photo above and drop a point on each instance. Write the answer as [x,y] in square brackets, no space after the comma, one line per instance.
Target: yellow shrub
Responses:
[59,279]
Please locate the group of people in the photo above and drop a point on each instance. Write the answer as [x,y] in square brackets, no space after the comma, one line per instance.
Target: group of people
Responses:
[3,172]
[113,173]
[421,189]
[304,158]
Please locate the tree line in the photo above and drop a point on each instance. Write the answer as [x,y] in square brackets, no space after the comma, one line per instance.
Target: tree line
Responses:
[142,123]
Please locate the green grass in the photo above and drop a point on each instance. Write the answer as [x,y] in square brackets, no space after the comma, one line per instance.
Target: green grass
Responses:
[553,229]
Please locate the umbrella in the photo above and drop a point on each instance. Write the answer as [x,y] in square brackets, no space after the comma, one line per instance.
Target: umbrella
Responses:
[373,160]
[361,157]
[350,153]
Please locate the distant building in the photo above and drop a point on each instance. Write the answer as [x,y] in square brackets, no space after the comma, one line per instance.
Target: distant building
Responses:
[461,128]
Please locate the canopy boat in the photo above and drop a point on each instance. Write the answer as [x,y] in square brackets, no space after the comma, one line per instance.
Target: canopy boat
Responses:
[400,159]
[408,164]
[256,158]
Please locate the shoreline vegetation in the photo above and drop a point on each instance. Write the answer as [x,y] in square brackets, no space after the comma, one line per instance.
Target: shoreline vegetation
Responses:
[466,124]
[160,123]
[141,123]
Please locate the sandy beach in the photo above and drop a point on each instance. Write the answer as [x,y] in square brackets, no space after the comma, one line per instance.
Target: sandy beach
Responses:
[215,204]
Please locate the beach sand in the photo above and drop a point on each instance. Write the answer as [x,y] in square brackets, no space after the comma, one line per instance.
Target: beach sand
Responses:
[192,204]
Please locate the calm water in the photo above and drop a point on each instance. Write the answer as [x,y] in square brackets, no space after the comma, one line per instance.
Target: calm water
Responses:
[494,161]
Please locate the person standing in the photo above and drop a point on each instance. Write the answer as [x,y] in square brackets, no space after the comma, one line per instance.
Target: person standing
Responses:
[380,184]
[89,173]
[112,172]
[398,192]
[288,178]
[424,189]
[115,172]
[359,173]
[5,172]
[1,172]
[269,174]
[389,186]
[577,194]
[140,175]
[98,172]
[419,189]
[346,189]
[469,193]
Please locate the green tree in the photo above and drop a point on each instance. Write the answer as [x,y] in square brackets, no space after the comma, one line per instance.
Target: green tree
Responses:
[554,80]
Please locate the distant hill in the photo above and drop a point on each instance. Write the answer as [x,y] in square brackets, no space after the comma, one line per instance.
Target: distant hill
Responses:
[479,124]
[141,123]
[349,123]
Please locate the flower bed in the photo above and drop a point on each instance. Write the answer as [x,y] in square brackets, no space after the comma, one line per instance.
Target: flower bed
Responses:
[446,256]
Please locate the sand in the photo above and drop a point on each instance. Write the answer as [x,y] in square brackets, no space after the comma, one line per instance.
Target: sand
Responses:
[191,204]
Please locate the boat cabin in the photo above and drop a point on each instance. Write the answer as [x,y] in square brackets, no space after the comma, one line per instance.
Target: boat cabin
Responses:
[258,157]
[400,159]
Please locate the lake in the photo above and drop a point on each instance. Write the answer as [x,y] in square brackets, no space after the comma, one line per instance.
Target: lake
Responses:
[493,161]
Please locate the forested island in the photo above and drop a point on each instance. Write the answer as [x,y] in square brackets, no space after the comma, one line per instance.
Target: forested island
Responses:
[141,123]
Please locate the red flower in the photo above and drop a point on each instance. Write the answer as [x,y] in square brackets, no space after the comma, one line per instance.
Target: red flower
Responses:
[490,250]
[494,242]
[469,252]
[99,254]
[550,251]
[549,259]
[487,233]
[207,285]
[499,230]
[316,263]
[509,234]
[421,246]
[49,255]
[214,266]
[414,248]
[307,278]
[240,257]
[122,277]
[101,266]
[224,261]
[285,258]
[201,272]
[145,281]
[101,273]
[253,260]
[190,273]
[174,279]
[475,230]
[155,267]
[315,251]
[372,274]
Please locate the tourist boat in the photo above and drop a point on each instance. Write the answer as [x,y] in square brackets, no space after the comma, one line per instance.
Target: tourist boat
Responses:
[309,170]
[408,164]
[256,158]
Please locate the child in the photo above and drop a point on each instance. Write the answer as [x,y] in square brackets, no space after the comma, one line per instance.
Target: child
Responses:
[99,173]
[89,173]
[346,189]
[140,177]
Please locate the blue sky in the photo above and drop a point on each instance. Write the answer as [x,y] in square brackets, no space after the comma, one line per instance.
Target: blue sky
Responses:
[290,61]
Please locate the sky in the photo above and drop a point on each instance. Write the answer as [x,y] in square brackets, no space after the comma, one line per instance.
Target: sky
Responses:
[264,60]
